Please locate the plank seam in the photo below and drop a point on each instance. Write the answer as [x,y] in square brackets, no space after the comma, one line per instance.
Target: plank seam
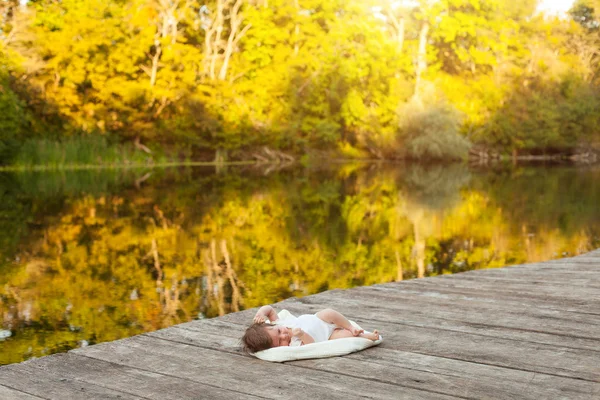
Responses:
[21,391]
[499,337]
[427,354]
[502,366]
[163,374]
[562,318]
[458,291]
[90,383]
[315,369]
[476,324]
[461,332]
[480,324]
[545,283]
[382,381]
[510,292]
[406,351]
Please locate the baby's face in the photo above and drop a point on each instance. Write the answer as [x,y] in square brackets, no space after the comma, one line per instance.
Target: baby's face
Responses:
[280,335]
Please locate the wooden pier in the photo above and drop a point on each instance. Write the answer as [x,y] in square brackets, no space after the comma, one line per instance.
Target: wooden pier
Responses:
[524,332]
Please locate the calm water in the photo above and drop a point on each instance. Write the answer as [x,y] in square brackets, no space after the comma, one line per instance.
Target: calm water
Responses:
[87,257]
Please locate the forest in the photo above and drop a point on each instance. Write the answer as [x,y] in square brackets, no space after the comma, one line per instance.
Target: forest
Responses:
[145,81]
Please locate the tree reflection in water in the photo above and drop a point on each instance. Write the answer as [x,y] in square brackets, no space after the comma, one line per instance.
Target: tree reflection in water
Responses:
[91,257]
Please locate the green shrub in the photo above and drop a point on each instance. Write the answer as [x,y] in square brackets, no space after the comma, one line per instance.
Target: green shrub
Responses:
[432,133]
[546,116]
[12,120]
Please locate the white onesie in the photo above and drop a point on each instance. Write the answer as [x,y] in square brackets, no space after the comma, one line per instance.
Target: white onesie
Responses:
[318,329]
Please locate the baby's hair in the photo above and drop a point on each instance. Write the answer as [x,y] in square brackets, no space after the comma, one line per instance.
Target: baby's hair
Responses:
[256,338]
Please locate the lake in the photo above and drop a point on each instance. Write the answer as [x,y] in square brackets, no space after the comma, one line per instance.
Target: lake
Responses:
[97,255]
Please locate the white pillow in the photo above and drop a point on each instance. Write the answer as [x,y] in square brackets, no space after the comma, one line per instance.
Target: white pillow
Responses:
[330,348]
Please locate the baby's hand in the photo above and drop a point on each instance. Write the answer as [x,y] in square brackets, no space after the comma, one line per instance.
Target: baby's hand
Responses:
[298,332]
[356,331]
[259,319]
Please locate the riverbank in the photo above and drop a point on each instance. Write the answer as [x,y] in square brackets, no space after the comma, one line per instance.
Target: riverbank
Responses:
[83,153]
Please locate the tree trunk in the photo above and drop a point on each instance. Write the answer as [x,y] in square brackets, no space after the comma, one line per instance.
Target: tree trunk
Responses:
[398,27]
[235,21]
[400,37]
[421,59]
[155,61]
[215,49]
[216,30]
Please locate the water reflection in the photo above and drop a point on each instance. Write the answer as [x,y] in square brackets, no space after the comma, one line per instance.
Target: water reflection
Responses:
[95,256]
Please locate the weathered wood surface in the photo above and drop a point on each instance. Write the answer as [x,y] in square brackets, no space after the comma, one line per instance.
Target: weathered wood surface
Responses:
[523,332]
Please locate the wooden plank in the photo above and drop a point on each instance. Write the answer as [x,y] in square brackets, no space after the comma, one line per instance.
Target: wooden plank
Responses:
[565,269]
[466,310]
[411,320]
[202,337]
[398,370]
[507,301]
[515,354]
[543,270]
[504,352]
[588,301]
[417,370]
[590,253]
[90,377]
[461,379]
[571,279]
[26,378]
[472,301]
[462,320]
[554,288]
[7,393]
[558,267]
[579,306]
[573,265]
[244,373]
[589,285]
[456,325]
[229,336]
[556,264]
[584,263]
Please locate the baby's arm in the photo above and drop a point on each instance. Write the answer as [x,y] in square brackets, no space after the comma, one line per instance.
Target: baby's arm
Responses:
[304,337]
[333,317]
[265,312]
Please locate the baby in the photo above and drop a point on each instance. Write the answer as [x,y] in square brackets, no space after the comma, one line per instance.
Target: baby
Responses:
[325,325]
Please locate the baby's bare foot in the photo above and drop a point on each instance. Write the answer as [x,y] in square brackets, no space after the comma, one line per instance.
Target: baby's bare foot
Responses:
[373,335]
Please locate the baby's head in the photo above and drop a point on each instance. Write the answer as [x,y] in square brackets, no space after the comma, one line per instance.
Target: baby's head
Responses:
[260,337]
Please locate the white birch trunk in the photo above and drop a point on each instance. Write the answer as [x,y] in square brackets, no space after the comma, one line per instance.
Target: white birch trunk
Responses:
[421,59]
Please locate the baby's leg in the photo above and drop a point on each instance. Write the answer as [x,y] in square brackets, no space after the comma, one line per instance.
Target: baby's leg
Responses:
[373,335]
[341,333]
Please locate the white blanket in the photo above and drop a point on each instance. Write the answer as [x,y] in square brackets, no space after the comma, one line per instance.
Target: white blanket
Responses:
[330,348]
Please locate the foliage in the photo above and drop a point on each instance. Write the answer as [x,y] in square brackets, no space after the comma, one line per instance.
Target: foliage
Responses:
[300,76]
[547,117]
[78,151]
[433,133]
[13,115]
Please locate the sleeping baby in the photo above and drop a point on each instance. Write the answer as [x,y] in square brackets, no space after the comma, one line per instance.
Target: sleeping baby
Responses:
[325,325]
